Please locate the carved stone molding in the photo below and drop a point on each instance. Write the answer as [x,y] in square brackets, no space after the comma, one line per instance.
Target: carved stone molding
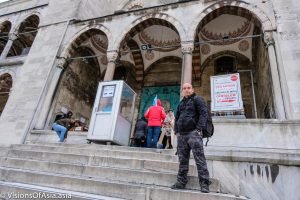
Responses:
[112,56]
[268,39]
[244,45]
[61,63]
[205,49]
[187,48]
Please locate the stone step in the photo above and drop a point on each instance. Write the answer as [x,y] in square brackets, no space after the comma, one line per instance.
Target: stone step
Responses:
[104,187]
[212,153]
[82,156]
[107,173]
[133,160]
[32,146]
[124,163]
[93,149]
[3,151]
[27,191]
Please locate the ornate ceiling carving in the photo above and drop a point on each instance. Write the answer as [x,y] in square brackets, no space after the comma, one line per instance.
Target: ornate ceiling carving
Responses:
[243,30]
[160,36]
[135,5]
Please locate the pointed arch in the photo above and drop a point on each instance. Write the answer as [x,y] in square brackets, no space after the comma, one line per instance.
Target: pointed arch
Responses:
[82,35]
[146,21]
[26,33]
[239,8]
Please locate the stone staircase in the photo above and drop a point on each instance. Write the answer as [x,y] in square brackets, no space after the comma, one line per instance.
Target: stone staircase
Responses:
[83,171]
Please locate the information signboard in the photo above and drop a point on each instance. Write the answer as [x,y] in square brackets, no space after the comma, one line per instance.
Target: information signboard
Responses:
[226,93]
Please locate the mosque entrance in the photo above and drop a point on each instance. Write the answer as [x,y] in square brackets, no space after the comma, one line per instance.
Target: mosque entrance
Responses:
[169,96]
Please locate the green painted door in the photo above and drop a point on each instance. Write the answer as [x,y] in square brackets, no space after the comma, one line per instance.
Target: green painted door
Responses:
[169,96]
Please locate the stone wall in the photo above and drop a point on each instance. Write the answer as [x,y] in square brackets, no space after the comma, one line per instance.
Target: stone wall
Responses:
[263,80]
[19,111]
[287,42]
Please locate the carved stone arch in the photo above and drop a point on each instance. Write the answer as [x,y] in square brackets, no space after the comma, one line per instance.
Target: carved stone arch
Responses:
[11,73]
[6,83]
[162,60]
[24,35]
[217,55]
[5,29]
[138,61]
[24,18]
[154,19]
[83,33]
[5,22]
[240,8]
[164,71]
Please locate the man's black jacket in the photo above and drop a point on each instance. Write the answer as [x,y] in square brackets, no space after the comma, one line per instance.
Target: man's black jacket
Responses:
[192,113]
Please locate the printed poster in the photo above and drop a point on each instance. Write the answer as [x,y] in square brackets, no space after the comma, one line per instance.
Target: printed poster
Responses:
[226,93]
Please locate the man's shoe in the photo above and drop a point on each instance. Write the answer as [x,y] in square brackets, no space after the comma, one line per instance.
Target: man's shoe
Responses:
[204,187]
[178,185]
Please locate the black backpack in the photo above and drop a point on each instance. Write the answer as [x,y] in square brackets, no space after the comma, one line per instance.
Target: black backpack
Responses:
[209,130]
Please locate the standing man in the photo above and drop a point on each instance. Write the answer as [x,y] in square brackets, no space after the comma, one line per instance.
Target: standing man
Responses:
[190,120]
[155,115]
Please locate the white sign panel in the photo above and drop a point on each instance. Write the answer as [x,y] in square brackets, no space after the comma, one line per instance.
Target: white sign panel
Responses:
[226,93]
[108,91]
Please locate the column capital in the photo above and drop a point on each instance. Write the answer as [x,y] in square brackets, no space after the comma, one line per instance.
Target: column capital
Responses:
[187,47]
[61,62]
[112,56]
[268,38]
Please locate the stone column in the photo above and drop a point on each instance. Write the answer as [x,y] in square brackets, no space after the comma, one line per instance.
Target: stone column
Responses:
[48,98]
[111,66]
[11,39]
[277,90]
[187,69]
[283,79]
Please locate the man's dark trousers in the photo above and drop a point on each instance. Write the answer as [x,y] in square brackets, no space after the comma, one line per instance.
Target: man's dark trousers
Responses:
[186,143]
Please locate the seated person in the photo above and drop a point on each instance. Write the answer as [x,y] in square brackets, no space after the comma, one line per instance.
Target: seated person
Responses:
[61,127]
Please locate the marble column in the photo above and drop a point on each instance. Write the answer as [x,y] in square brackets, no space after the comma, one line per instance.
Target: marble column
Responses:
[111,66]
[277,89]
[283,79]
[11,39]
[187,69]
[48,98]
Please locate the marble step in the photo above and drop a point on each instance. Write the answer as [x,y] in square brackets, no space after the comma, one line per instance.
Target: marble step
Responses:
[96,147]
[107,173]
[115,189]
[82,156]
[212,153]
[123,163]
[26,191]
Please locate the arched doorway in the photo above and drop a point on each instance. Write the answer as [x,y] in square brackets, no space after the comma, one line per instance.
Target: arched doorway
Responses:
[125,71]
[26,35]
[5,87]
[4,31]
[79,81]
[163,79]
[162,43]
[230,42]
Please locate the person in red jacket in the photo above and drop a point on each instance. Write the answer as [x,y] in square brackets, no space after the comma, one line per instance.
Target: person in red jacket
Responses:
[155,115]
